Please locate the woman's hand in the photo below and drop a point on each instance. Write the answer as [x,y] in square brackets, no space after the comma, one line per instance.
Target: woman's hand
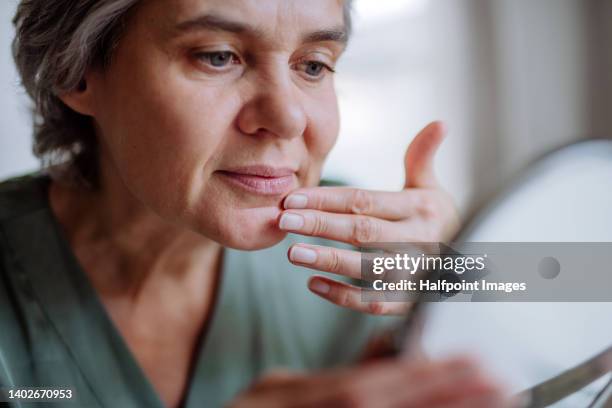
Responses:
[421,212]
[386,383]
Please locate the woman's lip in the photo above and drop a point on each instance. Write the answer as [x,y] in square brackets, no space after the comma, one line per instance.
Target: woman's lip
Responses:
[264,185]
[262,171]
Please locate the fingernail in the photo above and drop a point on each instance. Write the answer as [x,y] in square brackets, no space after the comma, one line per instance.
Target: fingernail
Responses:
[291,222]
[302,255]
[296,201]
[319,287]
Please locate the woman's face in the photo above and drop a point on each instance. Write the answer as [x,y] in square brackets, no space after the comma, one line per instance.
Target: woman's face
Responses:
[212,111]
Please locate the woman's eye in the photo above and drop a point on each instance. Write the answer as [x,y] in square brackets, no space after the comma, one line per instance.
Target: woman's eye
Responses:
[218,59]
[315,69]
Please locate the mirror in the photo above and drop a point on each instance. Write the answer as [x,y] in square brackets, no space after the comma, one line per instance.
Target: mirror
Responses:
[564,197]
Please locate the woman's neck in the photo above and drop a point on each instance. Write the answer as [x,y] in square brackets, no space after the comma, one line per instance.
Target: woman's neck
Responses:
[125,248]
[156,280]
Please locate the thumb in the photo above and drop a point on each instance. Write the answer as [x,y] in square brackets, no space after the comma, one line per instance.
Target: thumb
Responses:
[419,158]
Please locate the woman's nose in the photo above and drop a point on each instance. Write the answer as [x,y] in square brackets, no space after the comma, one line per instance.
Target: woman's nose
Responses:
[276,109]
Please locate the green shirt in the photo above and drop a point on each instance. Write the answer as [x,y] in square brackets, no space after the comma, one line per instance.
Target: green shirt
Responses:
[55,332]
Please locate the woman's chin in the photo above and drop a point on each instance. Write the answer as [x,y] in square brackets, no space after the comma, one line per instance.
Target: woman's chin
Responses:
[248,229]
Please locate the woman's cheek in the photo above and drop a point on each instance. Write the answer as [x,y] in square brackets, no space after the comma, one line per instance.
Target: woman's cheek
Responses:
[164,160]
[321,136]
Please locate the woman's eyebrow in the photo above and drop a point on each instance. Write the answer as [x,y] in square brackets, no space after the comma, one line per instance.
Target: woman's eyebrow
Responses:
[338,34]
[213,22]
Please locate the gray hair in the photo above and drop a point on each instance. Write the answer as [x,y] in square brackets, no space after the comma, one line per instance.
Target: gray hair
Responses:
[56,42]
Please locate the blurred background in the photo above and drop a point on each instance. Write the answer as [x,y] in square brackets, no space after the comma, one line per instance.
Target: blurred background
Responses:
[511,78]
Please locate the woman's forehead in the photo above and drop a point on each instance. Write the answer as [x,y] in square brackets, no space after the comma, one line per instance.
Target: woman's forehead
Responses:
[269,17]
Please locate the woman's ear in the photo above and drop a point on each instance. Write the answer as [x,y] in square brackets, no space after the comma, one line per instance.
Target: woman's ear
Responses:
[80,99]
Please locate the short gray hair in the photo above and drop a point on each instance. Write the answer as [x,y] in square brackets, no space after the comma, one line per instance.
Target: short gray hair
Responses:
[56,42]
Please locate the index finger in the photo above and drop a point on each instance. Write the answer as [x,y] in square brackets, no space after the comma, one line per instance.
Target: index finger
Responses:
[392,206]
